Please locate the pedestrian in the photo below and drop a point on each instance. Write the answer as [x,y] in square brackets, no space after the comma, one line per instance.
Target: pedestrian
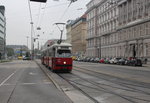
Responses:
[145,60]
[0,57]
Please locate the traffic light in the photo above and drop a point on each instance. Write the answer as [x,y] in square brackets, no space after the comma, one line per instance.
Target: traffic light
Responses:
[44,1]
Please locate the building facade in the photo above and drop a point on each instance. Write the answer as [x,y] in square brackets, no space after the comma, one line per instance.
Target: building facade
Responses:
[102,20]
[134,28]
[118,28]
[68,29]
[78,35]
[2,32]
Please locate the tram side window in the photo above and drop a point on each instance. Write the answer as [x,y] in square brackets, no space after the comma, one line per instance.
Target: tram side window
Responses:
[53,52]
[63,53]
[44,54]
[47,53]
[50,54]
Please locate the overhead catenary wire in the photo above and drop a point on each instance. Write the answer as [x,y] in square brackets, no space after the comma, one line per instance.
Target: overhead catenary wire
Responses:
[55,5]
[64,13]
[42,16]
[32,31]
[61,17]
[31,19]
[30,10]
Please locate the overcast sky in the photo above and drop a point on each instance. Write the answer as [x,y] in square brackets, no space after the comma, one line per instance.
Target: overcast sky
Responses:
[18,18]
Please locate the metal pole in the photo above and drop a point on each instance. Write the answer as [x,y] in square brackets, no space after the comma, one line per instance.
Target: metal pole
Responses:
[100,47]
[32,53]
[27,41]
[61,36]
[5,41]
[59,42]
[38,45]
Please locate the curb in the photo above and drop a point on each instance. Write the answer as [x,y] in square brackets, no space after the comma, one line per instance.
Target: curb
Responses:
[56,85]
[72,93]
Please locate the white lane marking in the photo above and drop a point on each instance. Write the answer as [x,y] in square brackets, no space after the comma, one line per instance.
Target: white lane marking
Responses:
[7,78]
[31,73]
[7,84]
[28,83]
[35,83]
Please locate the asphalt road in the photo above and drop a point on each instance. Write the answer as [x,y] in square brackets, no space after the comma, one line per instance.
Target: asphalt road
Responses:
[106,83]
[25,82]
[140,74]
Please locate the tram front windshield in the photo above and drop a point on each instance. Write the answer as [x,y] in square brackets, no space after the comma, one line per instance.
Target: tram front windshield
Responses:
[63,53]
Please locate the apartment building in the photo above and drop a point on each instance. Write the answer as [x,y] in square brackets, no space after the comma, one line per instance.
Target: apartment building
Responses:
[68,29]
[118,28]
[2,31]
[134,28]
[102,21]
[78,36]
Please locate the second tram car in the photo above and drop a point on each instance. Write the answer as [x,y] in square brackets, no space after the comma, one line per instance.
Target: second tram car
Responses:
[57,57]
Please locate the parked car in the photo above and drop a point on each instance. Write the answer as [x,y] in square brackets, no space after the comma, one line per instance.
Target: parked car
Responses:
[107,61]
[122,61]
[134,62]
[96,60]
[80,59]
[116,60]
[74,57]
[26,58]
[20,57]
[111,61]
[102,60]
[92,59]
[87,59]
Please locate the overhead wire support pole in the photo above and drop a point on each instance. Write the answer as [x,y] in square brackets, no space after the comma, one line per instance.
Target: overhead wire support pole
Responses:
[32,28]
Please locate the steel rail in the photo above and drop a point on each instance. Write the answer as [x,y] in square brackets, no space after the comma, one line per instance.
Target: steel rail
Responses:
[123,85]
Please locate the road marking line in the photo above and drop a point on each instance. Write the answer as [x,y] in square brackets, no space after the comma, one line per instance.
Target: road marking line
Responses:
[7,78]
[28,83]
[35,83]
[7,84]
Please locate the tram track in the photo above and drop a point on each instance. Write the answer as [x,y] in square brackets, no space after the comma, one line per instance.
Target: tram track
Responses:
[125,85]
[122,79]
[99,88]
[121,84]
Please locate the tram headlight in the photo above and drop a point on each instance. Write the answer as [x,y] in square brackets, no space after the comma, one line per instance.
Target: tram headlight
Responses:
[69,48]
[59,47]
[64,62]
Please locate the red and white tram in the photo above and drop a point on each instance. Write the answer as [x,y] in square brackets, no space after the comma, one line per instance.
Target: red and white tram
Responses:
[57,57]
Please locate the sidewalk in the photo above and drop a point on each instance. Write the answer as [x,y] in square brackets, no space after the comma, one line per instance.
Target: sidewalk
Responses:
[2,61]
[147,65]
